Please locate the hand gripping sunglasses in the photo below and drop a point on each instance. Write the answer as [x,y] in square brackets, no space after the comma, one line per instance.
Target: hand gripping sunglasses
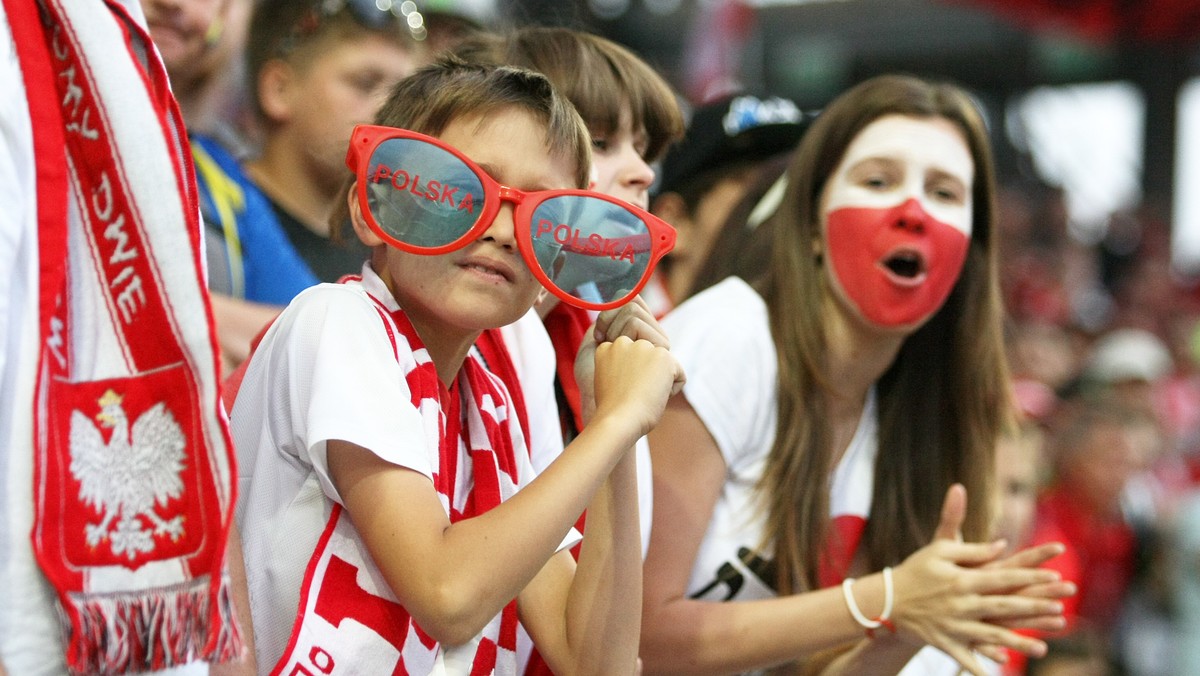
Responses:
[425,197]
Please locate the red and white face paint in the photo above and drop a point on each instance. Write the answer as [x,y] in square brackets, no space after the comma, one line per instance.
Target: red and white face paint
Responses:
[897,215]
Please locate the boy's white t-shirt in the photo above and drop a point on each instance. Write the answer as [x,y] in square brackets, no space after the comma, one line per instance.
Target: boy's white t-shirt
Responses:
[325,370]
[732,378]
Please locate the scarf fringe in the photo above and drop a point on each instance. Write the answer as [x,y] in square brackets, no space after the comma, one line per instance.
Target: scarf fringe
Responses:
[135,631]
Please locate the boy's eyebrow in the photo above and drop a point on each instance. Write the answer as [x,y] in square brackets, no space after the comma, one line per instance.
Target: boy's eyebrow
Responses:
[491,170]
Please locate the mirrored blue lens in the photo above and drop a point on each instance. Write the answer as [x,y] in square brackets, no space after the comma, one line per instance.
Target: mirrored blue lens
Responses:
[421,194]
[593,249]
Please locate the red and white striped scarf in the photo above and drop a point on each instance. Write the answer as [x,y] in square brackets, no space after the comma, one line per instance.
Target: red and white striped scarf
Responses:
[133,490]
[470,427]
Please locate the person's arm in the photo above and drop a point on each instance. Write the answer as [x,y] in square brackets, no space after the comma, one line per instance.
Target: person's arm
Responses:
[603,596]
[454,578]
[882,656]
[240,595]
[566,615]
[238,323]
[939,598]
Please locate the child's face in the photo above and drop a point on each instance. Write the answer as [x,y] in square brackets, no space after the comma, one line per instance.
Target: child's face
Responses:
[485,284]
[342,87]
[618,166]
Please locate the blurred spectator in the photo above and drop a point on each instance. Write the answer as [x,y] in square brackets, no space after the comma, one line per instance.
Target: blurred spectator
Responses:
[1019,474]
[253,270]
[318,68]
[740,247]
[1022,470]
[1044,352]
[446,29]
[201,43]
[1080,653]
[704,176]
[1184,579]
[1128,362]
[1032,223]
[1093,455]
[1142,640]
[1135,264]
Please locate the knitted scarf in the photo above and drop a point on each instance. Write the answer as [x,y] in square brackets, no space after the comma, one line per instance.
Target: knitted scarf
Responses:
[133,490]
[478,470]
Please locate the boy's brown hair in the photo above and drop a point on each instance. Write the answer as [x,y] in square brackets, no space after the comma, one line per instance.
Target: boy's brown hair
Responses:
[597,75]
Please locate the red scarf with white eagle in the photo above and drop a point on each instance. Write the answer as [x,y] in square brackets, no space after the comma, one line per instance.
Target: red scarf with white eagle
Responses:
[133,490]
[476,443]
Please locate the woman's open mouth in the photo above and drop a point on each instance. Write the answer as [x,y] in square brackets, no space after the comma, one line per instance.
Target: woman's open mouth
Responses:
[905,267]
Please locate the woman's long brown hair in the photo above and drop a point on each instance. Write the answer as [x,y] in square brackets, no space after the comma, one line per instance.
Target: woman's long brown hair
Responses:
[942,402]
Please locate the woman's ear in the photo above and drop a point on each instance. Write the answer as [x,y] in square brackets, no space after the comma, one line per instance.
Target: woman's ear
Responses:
[364,231]
[274,90]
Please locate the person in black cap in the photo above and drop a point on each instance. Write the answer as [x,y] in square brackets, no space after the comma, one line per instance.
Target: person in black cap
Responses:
[728,144]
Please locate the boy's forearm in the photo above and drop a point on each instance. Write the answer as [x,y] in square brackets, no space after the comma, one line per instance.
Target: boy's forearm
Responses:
[603,613]
[244,665]
[475,577]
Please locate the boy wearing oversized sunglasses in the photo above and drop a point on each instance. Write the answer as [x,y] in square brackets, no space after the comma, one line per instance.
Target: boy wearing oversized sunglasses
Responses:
[384,477]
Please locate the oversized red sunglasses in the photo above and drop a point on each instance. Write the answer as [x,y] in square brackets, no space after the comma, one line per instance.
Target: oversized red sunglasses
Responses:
[423,196]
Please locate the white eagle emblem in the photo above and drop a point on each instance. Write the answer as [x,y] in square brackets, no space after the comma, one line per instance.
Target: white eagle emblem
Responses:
[126,476]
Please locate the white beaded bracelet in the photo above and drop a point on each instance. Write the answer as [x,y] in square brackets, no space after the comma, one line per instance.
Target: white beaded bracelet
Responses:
[884,619]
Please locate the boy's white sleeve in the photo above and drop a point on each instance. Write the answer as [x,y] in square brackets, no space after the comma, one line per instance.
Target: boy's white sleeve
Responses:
[330,354]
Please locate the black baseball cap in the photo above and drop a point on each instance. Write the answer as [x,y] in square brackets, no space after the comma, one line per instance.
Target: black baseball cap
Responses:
[738,128]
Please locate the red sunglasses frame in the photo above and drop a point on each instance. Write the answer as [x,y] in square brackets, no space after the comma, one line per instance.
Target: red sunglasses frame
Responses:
[366,138]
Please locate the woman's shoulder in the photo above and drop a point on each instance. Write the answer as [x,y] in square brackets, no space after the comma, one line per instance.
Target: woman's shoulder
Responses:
[730,310]
[732,295]
[722,336]
[723,341]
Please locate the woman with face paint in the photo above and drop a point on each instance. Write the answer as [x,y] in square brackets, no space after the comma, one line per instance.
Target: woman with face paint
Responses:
[811,481]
